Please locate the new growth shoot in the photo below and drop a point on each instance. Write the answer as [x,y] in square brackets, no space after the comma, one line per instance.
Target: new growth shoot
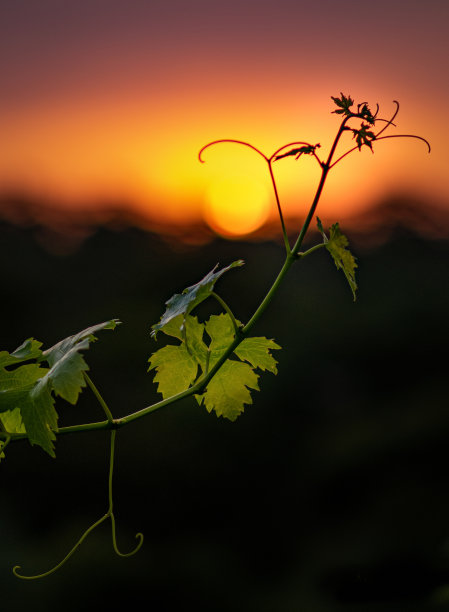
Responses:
[215,361]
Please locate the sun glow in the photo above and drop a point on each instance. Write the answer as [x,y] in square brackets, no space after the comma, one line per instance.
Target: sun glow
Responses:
[237,206]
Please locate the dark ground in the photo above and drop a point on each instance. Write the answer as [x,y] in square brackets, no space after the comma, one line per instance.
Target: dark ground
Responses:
[329,494]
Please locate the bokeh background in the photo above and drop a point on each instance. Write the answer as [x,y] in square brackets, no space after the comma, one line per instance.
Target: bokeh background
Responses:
[330,492]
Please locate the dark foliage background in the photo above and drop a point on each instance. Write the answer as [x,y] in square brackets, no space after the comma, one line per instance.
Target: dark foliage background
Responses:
[330,493]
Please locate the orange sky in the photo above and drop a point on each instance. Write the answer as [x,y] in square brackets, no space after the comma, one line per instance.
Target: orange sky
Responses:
[111,101]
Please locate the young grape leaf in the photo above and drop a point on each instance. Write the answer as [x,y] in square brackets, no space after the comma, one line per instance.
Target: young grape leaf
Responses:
[190,331]
[177,365]
[176,369]
[304,150]
[229,390]
[344,104]
[40,417]
[221,332]
[257,352]
[183,303]
[67,365]
[23,390]
[363,136]
[343,258]
[30,349]
[12,421]
[26,400]
[364,111]
[14,383]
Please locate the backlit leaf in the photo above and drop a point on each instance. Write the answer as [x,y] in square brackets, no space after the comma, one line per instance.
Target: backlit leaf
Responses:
[26,391]
[12,421]
[344,104]
[229,390]
[304,150]
[30,349]
[364,136]
[257,352]
[183,303]
[175,368]
[343,258]
[67,365]
[23,390]
[177,365]
[221,331]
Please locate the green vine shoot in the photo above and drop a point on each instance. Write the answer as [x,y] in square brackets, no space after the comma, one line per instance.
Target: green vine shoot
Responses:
[216,362]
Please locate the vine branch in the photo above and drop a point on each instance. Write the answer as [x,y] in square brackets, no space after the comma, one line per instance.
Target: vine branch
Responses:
[364,137]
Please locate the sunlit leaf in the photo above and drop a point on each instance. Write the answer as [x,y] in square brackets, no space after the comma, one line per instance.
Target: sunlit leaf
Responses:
[183,303]
[336,245]
[257,352]
[23,390]
[26,391]
[30,349]
[67,365]
[176,369]
[229,390]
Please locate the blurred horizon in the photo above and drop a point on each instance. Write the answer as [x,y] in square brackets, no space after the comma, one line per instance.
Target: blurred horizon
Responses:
[107,101]
[63,231]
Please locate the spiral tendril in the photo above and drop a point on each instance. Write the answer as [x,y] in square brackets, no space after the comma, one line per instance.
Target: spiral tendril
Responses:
[109,514]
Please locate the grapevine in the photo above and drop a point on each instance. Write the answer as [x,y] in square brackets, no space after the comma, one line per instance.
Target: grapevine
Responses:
[217,362]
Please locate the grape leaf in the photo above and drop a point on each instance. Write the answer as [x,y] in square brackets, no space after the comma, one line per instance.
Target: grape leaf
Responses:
[23,390]
[363,136]
[40,417]
[343,258]
[14,383]
[26,400]
[67,365]
[221,331]
[364,112]
[176,369]
[344,104]
[177,365]
[183,303]
[188,330]
[12,421]
[2,454]
[229,390]
[30,349]
[305,150]
[257,352]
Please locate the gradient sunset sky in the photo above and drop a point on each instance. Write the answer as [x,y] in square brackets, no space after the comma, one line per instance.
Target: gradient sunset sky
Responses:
[110,101]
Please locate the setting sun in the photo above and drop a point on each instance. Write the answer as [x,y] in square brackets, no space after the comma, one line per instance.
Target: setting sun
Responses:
[237,206]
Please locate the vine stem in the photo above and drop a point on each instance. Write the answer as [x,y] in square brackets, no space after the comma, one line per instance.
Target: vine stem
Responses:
[99,397]
[109,514]
[228,310]
[292,256]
